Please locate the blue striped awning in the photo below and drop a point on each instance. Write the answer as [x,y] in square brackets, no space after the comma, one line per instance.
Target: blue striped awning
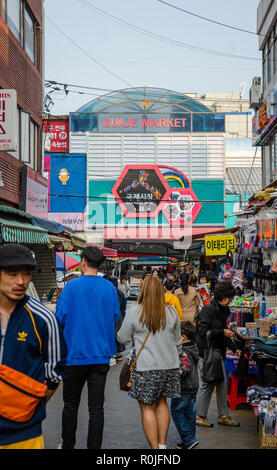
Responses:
[17,232]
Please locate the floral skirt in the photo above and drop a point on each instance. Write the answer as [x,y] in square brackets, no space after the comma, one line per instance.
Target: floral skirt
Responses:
[148,386]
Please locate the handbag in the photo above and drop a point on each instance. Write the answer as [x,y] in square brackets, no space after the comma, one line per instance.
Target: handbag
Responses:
[125,377]
[213,367]
[19,394]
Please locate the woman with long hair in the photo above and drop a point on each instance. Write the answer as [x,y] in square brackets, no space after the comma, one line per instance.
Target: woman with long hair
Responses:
[156,375]
[188,297]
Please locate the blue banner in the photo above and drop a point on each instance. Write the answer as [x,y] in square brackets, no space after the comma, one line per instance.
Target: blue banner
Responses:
[68,182]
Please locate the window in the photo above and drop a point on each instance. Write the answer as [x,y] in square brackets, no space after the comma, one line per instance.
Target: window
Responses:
[16,153]
[23,25]
[265,68]
[13,17]
[3,10]
[33,144]
[30,36]
[25,137]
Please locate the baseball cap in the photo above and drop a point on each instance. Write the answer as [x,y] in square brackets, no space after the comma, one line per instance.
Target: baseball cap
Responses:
[16,256]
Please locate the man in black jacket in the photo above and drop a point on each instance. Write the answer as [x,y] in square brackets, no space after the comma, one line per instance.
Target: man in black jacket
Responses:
[213,317]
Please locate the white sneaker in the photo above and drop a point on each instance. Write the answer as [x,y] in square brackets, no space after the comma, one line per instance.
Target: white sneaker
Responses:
[162,446]
[60,446]
[113,361]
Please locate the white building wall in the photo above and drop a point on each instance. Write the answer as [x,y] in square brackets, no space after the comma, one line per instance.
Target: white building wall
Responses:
[196,155]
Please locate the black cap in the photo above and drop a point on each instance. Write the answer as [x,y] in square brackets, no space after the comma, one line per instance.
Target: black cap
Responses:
[16,256]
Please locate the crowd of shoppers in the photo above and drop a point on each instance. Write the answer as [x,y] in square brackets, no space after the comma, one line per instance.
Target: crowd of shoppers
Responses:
[91,326]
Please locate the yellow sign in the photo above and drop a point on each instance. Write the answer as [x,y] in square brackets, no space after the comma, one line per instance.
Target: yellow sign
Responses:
[219,244]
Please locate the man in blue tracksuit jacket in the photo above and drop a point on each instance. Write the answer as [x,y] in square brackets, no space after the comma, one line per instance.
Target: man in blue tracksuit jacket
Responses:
[31,343]
[88,309]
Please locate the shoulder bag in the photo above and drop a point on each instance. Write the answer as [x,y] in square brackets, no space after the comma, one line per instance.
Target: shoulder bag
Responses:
[213,366]
[125,378]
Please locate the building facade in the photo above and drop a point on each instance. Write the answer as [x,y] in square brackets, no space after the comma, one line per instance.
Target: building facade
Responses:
[265,120]
[21,69]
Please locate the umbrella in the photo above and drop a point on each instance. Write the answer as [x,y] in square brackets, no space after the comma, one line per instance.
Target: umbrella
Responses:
[71,261]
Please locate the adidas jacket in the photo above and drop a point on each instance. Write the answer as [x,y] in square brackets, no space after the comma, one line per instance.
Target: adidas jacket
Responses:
[33,344]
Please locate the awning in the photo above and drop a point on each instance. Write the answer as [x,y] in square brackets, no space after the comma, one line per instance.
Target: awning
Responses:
[215,231]
[109,252]
[78,242]
[17,232]
[64,243]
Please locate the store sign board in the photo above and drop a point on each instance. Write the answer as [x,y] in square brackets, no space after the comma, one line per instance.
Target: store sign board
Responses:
[57,133]
[182,208]
[219,244]
[8,120]
[140,190]
[75,220]
[34,193]
[147,122]
[68,183]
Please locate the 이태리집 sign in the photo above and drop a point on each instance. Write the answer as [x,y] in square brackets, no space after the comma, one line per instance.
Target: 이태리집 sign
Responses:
[219,244]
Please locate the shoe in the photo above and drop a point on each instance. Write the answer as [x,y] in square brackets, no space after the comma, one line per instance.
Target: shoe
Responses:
[227,421]
[60,446]
[180,445]
[203,422]
[113,361]
[191,446]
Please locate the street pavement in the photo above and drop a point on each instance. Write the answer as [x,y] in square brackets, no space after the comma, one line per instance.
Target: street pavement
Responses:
[123,430]
[123,425]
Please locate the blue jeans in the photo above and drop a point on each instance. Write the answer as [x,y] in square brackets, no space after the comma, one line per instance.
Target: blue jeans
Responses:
[183,411]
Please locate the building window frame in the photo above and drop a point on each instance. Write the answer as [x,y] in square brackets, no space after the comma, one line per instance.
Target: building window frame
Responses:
[19,31]
[3,10]
[25,137]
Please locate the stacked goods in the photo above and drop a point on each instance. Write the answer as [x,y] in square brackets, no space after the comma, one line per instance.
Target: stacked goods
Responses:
[251,329]
[264,328]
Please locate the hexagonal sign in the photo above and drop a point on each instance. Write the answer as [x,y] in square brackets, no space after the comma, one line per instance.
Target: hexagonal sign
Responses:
[182,206]
[140,190]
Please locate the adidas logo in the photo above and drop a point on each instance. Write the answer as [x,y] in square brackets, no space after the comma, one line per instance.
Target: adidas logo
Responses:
[22,336]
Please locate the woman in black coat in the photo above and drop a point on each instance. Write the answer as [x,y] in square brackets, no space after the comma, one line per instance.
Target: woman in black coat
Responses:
[213,317]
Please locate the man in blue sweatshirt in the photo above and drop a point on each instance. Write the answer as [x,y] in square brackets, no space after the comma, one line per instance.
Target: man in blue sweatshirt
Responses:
[88,310]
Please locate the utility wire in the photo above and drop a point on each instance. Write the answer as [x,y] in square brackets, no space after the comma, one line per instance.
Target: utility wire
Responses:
[87,53]
[159,36]
[211,20]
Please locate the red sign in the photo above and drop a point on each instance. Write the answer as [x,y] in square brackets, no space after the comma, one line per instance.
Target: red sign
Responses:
[182,206]
[58,133]
[140,190]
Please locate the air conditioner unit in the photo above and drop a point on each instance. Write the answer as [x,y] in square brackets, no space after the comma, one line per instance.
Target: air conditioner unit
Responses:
[255,93]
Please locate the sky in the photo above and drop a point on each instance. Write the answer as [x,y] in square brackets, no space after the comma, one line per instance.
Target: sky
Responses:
[84,47]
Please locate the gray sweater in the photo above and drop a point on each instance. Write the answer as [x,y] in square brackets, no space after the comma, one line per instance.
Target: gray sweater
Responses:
[162,349]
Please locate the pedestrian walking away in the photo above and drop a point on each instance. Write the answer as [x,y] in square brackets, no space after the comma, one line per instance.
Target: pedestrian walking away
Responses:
[171,299]
[213,318]
[32,353]
[183,409]
[188,298]
[88,309]
[156,375]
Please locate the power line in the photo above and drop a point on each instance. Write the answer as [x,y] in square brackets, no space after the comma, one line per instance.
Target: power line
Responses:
[211,20]
[127,201]
[160,37]
[89,55]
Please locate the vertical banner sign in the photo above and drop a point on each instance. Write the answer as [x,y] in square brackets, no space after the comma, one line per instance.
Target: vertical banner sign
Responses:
[8,120]
[58,133]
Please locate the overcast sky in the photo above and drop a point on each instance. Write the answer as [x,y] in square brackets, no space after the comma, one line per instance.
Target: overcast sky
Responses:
[130,58]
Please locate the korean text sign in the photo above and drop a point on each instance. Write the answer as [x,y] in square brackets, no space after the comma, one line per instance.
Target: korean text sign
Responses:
[8,120]
[219,244]
[58,133]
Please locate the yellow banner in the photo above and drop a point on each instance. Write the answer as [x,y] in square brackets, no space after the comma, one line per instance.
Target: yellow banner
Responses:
[219,244]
